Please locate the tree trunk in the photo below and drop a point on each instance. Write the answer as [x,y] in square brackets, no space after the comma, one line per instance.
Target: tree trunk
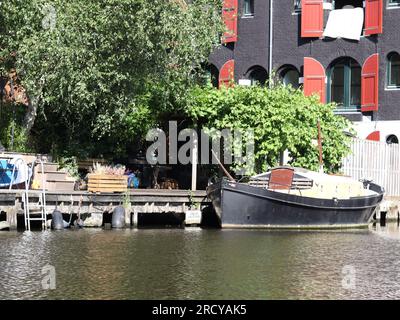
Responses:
[31,114]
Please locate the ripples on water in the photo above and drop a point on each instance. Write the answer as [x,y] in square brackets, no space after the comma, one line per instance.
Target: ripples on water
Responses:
[201,264]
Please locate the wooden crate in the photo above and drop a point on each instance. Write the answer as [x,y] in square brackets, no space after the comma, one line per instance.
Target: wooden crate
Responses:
[107,183]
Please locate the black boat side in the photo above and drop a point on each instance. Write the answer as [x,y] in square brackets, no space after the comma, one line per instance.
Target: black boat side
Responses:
[243,206]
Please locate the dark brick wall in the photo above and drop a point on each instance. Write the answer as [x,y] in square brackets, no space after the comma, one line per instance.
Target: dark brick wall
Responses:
[389,41]
[253,41]
[289,48]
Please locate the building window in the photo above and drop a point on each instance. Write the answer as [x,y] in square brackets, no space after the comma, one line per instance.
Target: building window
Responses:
[212,75]
[348,4]
[344,84]
[393,70]
[297,5]
[258,76]
[248,8]
[392,139]
[393,3]
[290,77]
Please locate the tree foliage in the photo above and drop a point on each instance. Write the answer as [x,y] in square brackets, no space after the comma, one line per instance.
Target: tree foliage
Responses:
[98,71]
[12,132]
[282,118]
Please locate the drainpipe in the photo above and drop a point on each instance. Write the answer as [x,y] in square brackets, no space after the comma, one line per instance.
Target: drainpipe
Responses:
[271,35]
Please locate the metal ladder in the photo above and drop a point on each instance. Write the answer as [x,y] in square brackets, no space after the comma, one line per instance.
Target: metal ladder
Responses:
[25,195]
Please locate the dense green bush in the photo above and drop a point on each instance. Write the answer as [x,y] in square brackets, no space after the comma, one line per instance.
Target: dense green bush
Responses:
[282,119]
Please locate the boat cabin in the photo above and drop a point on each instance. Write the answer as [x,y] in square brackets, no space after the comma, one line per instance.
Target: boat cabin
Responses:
[302,182]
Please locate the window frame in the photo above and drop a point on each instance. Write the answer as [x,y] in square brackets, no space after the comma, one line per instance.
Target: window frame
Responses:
[347,84]
[284,71]
[334,5]
[248,4]
[389,85]
[390,138]
[257,72]
[391,5]
[297,6]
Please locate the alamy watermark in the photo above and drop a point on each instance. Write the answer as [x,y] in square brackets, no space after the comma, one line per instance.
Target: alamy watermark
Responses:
[50,17]
[349,279]
[49,280]
[236,146]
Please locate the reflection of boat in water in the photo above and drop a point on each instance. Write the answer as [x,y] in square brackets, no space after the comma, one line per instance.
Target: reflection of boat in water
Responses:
[14,173]
[288,197]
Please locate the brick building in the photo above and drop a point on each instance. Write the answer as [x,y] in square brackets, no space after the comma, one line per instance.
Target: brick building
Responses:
[347,51]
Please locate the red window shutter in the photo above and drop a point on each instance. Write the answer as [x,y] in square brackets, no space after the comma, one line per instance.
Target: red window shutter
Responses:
[314,78]
[312,18]
[227,74]
[373,17]
[374,136]
[230,18]
[370,84]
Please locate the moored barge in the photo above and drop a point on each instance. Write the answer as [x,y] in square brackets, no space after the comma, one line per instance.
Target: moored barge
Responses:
[287,197]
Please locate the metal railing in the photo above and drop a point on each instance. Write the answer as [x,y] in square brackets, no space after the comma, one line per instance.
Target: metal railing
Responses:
[19,163]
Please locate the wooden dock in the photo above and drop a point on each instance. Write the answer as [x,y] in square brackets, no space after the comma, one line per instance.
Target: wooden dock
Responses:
[135,201]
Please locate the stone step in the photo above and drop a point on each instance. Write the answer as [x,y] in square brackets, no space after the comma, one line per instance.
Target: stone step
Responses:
[51,175]
[54,185]
[48,167]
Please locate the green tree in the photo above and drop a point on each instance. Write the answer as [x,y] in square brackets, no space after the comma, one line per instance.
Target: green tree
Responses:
[102,71]
[282,119]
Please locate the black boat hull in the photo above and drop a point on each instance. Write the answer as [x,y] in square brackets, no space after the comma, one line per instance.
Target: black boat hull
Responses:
[242,206]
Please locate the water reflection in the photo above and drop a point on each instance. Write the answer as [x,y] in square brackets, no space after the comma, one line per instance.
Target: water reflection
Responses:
[388,230]
[202,264]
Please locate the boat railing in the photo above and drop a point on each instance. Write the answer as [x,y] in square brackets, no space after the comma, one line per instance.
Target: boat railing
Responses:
[293,187]
[297,184]
[285,187]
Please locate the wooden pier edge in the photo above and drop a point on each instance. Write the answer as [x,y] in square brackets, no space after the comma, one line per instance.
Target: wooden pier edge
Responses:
[135,202]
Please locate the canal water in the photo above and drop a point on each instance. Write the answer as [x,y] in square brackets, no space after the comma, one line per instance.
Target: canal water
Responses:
[201,264]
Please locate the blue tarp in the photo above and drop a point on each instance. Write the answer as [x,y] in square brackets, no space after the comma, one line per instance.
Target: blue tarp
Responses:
[6,170]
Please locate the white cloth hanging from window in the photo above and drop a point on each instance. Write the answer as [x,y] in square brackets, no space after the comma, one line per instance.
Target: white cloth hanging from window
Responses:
[345,23]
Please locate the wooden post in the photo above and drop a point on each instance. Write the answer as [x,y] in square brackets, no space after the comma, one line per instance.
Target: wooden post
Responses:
[128,215]
[321,161]
[135,218]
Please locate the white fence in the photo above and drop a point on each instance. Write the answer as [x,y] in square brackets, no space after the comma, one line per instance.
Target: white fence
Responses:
[377,161]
